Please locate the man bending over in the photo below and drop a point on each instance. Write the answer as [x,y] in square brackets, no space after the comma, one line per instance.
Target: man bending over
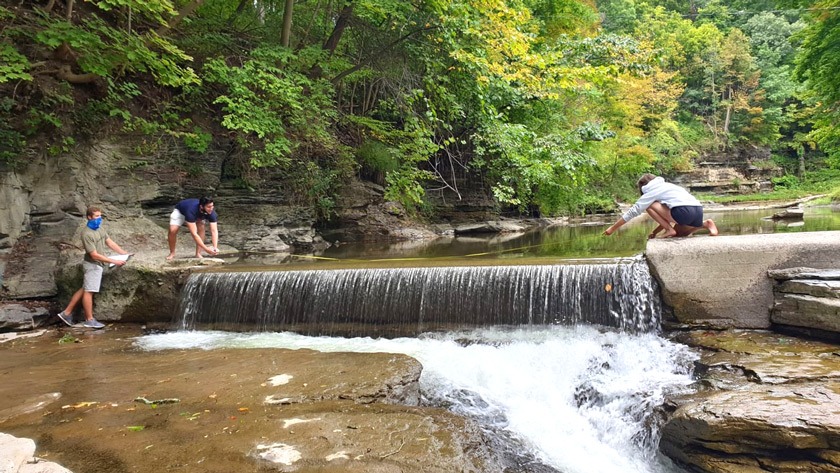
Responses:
[194,212]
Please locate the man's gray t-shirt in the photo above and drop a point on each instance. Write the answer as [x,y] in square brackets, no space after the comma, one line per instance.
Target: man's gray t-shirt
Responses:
[94,240]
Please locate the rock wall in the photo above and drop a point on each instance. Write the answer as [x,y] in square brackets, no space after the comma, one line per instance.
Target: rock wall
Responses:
[722,282]
[42,210]
[807,301]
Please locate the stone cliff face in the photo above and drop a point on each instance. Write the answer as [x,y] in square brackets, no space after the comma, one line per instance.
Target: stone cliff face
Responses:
[42,209]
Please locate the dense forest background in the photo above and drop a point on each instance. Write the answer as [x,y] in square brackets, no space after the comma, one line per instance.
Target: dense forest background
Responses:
[555,106]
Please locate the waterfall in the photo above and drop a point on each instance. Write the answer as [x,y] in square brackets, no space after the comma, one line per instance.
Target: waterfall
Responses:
[549,398]
[405,301]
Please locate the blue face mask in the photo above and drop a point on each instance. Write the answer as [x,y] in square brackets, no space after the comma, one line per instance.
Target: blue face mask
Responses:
[94,223]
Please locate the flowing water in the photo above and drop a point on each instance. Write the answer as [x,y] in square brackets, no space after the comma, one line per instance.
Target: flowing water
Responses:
[362,301]
[560,363]
[578,399]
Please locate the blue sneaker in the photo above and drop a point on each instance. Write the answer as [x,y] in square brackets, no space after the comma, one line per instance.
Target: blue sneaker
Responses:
[65,318]
[93,323]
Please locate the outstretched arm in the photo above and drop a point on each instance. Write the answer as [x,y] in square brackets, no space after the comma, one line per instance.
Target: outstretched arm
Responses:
[199,240]
[618,223]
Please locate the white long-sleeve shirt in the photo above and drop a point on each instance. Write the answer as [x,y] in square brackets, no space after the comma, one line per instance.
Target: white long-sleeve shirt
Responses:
[670,195]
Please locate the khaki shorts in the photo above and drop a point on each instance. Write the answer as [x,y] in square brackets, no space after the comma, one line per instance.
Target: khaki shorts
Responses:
[177,218]
[93,276]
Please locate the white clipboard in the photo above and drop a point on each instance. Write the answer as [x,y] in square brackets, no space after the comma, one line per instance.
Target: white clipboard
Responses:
[120,258]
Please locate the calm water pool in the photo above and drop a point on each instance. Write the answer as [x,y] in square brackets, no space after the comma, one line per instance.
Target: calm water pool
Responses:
[566,242]
[585,240]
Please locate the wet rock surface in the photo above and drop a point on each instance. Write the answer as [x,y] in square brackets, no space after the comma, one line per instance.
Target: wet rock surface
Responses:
[95,403]
[767,403]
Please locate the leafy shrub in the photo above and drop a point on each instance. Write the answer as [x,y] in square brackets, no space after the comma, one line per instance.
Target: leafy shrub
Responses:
[785,182]
[377,160]
[835,195]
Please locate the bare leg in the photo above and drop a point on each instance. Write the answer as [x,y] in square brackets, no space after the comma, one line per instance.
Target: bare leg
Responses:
[710,225]
[199,228]
[655,232]
[662,216]
[87,305]
[77,296]
[172,237]
[685,230]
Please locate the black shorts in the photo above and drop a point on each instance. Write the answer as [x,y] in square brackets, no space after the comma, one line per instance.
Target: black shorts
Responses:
[690,215]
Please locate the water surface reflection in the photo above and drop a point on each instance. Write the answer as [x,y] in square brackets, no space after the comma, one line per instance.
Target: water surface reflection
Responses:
[582,240]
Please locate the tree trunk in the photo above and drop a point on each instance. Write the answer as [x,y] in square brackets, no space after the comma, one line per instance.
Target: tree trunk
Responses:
[340,25]
[728,114]
[70,10]
[239,9]
[800,151]
[286,34]
[332,42]
[188,10]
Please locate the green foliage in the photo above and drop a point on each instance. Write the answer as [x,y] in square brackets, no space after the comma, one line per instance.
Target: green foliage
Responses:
[11,141]
[107,51]
[786,182]
[834,195]
[198,140]
[267,99]
[818,64]
[555,105]
[68,338]
[13,65]
[155,10]
[377,156]
[405,185]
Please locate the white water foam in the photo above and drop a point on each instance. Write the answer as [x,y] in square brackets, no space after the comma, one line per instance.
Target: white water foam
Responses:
[578,397]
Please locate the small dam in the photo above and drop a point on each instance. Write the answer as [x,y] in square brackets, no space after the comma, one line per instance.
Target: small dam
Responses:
[407,301]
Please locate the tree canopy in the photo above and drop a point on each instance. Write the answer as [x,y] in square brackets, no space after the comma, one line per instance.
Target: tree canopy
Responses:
[555,106]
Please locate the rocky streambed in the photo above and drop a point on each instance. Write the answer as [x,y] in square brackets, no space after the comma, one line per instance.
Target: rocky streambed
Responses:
[93,402]
[765,403]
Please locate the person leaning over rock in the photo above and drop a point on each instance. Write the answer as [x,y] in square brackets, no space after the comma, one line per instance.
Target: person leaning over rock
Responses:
[673,208]
[194,212]
[95,241]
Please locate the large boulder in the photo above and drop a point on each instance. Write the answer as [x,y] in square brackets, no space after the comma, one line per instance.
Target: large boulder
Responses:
[19,317]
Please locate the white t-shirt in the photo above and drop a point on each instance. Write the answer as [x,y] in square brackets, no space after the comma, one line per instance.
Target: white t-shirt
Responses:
[670,195]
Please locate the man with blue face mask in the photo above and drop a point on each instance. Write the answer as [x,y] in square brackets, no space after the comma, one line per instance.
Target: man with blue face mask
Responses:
[96,242]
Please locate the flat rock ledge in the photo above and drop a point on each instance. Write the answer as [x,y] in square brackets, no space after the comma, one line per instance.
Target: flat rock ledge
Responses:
[767,403]
[97,404]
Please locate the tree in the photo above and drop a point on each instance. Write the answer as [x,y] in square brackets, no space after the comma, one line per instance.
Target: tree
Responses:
[818,64]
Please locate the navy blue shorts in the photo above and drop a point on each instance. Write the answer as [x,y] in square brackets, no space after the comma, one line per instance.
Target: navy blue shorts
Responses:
[691,215]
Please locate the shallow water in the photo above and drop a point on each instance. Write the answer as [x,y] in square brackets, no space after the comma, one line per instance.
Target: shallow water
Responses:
[580,399]
[582,240]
